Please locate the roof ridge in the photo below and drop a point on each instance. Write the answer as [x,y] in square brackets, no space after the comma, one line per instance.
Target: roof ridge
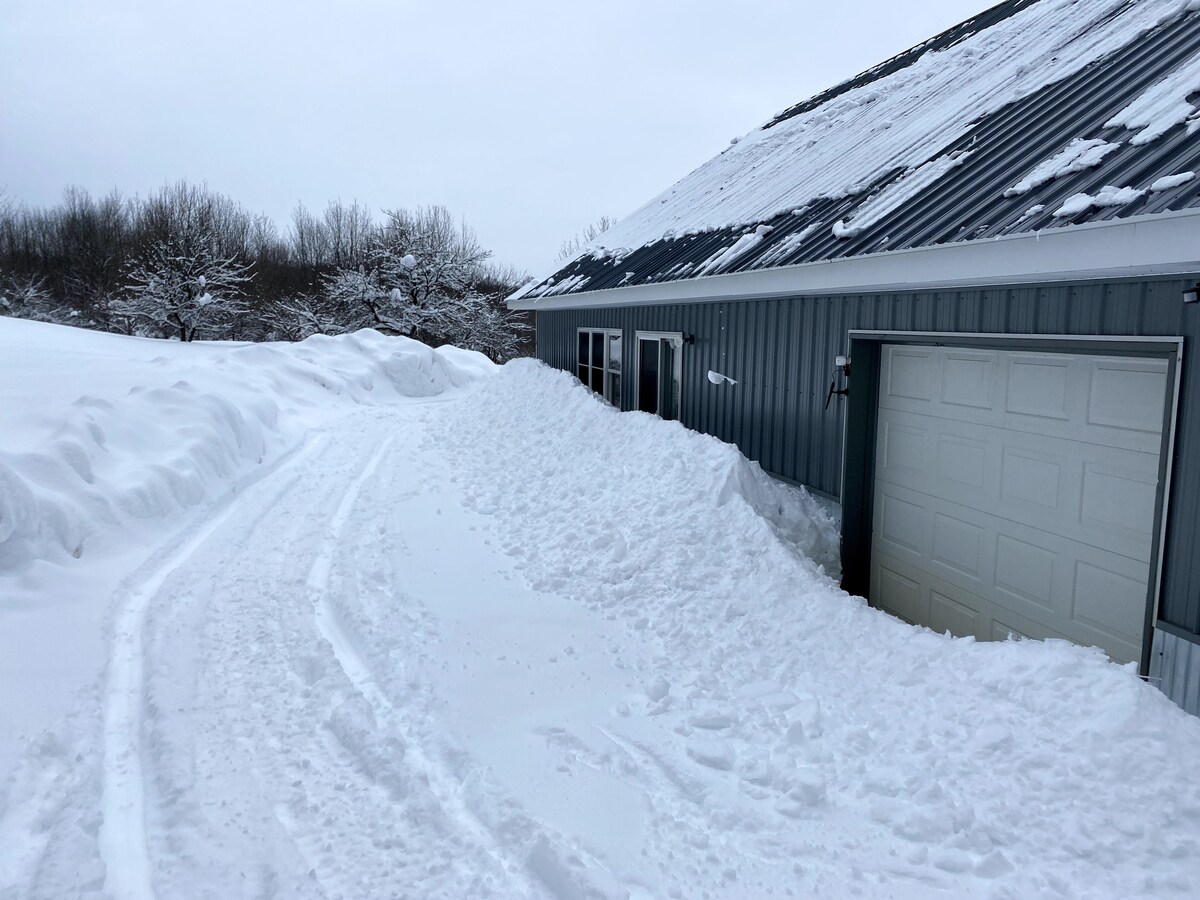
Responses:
[947,38]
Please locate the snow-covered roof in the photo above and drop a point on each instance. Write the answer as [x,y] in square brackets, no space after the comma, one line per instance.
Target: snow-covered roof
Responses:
[1037,114]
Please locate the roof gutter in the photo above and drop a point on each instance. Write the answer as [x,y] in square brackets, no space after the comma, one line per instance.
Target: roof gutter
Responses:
[1136,247]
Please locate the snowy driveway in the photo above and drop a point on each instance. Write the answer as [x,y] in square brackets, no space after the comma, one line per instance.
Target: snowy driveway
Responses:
[505,641]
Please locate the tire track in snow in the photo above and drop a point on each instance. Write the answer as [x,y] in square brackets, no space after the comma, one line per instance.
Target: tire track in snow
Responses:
[122,835]
[441,784]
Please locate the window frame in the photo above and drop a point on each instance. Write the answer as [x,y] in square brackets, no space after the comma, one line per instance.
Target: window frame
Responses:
[677,344]
[607,392]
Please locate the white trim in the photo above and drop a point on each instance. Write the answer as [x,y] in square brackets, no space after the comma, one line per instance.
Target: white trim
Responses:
[1139,246]
[1168,473]
[676,339]
[609,334]
[1152,341]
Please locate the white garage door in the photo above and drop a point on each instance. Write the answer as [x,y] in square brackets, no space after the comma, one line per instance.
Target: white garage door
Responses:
[1015,493]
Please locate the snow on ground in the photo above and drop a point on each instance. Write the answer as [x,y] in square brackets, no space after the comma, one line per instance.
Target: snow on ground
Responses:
[475,633]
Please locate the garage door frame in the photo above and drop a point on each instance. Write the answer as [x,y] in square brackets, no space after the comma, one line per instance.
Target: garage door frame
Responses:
[865,349]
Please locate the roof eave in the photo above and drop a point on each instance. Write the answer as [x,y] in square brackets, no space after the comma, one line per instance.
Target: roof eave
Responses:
[1138,246]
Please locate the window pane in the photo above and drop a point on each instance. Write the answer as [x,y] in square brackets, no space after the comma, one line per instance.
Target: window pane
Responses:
[583,352]
[597,348]
[669,405]
[614,390]
[648,376]
[614,352]
[597,379]
[583,374]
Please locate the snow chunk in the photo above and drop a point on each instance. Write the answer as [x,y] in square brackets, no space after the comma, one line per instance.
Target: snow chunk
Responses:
[1031,212]
[896,194]
[1077,156]
[727,256]
[570,283]
[789,244]
[1109,195]
[1163,106]
[1172,181]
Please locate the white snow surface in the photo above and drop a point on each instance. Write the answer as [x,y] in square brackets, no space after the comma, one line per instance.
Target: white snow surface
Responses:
[1109,195]
[434,629]
[1163,106]
[1075,157]
[904,120]
[1167,182]
[896,194]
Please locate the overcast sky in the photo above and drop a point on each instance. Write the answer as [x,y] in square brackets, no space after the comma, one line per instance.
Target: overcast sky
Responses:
[529,119]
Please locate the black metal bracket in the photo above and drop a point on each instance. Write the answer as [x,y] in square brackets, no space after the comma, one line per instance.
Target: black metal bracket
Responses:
[833,389]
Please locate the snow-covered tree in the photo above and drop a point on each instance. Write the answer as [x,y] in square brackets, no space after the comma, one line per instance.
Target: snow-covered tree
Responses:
[297,317]
[27,297]
[428,278]
[182,288]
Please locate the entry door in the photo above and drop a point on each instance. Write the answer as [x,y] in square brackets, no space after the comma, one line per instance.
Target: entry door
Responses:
[660,373]
[1015,493]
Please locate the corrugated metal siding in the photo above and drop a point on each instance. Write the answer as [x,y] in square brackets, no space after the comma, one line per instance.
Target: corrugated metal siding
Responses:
[781,352]
[1175,669]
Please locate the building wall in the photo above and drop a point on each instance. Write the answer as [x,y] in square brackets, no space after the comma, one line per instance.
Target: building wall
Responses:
[782,352]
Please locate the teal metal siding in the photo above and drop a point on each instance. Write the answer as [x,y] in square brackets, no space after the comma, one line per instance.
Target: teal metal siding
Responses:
[781,352]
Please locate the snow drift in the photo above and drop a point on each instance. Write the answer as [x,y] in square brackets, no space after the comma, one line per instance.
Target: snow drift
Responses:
[978,758]
[163,427]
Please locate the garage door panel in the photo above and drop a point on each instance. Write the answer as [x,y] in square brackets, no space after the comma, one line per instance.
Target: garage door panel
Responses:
[1119,502]
[904,449]
[959,545]
[1099,495]
[902,522]
[899,595]
[1107,402]
[1029,478]
[1127,396]
[1025,573]
[969,379]
[948,614]
[910,374]
[1015,491]
[1108,597]
[1037,388]
[964,460]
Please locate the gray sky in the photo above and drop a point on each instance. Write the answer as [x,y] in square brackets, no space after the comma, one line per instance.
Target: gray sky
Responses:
[528,118]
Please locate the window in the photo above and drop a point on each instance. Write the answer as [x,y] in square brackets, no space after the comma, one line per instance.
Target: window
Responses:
[600,359]
[660,372]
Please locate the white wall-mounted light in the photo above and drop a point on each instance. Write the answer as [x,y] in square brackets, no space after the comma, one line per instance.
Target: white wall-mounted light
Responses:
[718,378]
[1192,295]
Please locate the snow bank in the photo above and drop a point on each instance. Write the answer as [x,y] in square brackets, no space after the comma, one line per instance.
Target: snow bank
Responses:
[1017,768]
[103,432]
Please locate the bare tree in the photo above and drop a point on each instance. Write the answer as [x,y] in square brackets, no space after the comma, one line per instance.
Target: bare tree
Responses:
[310,245]
[572,247]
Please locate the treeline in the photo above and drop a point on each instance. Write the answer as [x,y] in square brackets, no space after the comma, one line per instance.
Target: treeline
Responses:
[189,263]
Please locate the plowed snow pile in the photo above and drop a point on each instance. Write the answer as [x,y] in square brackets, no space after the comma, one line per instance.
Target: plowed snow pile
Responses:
[357,618]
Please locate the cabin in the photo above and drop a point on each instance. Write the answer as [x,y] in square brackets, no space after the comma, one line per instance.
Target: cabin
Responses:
[957,294]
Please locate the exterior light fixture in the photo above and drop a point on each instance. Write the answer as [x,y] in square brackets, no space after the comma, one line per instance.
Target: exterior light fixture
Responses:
[1192,294]
[841,364]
